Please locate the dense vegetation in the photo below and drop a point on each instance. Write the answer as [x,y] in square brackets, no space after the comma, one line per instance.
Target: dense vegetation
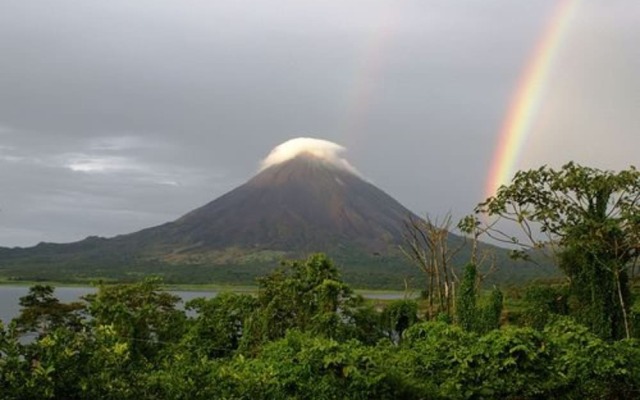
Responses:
[305,335]
[97,259]
[588,220]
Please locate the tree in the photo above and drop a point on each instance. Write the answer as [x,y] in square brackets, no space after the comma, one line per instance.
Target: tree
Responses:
[427,244]
[466,310]
[142,315]
[307,295]
[42,312]
[542,303]
[470,315]
[589,220]
[217,329]
[397,317]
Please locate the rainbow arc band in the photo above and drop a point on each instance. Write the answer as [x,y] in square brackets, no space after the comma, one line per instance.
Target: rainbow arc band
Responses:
[529,94]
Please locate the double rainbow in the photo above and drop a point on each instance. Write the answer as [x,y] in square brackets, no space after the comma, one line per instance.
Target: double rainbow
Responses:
[526,100]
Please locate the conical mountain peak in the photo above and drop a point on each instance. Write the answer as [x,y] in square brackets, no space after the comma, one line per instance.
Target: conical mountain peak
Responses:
[308,168]
[307,202]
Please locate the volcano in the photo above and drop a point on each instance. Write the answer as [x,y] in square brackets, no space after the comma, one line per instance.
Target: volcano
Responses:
[304,199]
[303,204]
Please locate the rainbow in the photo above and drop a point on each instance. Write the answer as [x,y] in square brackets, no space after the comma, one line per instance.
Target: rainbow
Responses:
[368,73]
[527,97]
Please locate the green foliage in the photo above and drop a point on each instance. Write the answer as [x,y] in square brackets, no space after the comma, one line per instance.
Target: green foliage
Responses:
[563,362]
[491,311]
[542,303]
[100,259]
[587,367]
[302,366]
[41,312]
[635,319]
[466,312]
[397,317]
[135,344]
[591,218]
[141,314]
[306,295]
[596,297]
[472,317]
[218,328]
[366,326]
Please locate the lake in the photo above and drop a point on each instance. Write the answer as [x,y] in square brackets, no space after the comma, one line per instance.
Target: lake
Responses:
[10,297]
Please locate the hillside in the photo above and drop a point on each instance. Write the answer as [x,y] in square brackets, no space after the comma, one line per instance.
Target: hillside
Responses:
[303,205]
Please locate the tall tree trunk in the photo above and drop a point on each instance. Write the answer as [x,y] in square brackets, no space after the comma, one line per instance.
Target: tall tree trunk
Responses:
[623,305]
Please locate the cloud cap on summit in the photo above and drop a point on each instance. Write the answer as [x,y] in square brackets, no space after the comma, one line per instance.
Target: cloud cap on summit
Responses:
[323,149]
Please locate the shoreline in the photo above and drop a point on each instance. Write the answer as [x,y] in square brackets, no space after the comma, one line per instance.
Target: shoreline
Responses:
[191,287]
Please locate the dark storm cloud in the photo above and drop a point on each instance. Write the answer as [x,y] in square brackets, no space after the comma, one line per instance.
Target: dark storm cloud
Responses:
[117,115]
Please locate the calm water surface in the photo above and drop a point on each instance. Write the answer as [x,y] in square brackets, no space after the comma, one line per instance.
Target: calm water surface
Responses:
[10,297]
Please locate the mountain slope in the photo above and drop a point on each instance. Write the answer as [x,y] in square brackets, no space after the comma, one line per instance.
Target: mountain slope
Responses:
[304,204]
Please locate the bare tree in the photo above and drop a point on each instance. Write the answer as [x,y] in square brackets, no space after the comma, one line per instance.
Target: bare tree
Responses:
[428,246]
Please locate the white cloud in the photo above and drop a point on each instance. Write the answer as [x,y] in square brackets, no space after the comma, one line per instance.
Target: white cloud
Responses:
[8,155]
[118,143]
[91,164]
[323,149]
[11,159]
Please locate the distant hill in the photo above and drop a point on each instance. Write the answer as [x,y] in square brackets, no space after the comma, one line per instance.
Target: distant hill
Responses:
[302,205]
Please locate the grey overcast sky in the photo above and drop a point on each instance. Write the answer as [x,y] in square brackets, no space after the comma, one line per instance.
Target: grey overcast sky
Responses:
[119,115]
